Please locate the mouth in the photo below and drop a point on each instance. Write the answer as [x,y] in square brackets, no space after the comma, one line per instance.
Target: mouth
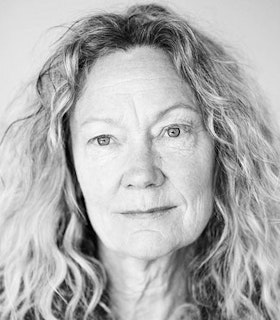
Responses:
[155,212]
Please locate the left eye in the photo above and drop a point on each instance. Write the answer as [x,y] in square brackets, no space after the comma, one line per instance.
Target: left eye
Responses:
[174,131]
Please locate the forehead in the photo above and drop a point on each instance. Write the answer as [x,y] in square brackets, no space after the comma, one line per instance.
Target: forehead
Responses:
[142,77]
[139,63]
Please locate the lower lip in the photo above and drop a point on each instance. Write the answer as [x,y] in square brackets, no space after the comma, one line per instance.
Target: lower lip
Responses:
[148,215]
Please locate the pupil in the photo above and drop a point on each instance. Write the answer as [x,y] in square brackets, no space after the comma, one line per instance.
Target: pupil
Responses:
[173,132]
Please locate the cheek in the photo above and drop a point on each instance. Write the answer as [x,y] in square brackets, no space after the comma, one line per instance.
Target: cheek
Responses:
[200,211]
[98,188]
[97,181]
[199,194]
[192,177]
[191,174]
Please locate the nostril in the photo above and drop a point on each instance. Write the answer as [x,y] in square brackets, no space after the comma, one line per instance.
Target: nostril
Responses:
[143,178]
[144,186]
[150,185]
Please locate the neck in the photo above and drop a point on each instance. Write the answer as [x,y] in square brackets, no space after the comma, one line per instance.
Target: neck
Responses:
[141,289]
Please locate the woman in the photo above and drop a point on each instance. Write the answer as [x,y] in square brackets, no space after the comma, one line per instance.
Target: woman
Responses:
[143,183]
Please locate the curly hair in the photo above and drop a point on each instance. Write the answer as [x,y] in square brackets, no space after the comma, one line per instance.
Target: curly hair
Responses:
[49,267]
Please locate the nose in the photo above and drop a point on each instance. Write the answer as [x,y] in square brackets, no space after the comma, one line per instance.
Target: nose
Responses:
[141,171]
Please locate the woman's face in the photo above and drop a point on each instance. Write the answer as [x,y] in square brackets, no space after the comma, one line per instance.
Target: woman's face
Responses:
[139,144]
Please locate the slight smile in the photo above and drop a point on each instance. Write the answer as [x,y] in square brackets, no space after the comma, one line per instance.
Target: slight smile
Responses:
[153,212]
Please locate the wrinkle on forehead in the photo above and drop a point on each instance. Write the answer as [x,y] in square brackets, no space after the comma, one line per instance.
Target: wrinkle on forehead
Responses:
[149,82]
[126,87]
[149,60]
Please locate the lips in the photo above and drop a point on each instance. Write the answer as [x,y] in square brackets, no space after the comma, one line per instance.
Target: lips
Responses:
[149,211]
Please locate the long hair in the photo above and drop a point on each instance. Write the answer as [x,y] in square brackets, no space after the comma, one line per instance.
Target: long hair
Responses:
[49,266]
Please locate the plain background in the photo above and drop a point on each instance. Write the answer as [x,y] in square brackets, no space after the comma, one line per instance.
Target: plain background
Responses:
[252,27]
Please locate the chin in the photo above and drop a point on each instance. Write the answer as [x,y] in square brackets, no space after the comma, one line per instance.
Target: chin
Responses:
[149,246]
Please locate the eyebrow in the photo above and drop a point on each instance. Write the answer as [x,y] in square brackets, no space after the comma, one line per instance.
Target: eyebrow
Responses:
[160,115]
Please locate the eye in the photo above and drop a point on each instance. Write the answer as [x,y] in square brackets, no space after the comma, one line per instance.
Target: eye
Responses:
[173,132]
[102,140]
[176,130]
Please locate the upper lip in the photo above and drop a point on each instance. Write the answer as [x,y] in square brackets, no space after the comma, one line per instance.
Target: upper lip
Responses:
[151,210]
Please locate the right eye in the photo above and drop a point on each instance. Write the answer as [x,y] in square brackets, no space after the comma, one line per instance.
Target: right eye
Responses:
[102,140]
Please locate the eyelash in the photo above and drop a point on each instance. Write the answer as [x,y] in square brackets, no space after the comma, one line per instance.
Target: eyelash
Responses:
[187,128]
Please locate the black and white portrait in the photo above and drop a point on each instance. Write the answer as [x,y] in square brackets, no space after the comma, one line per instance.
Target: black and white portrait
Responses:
[139,167]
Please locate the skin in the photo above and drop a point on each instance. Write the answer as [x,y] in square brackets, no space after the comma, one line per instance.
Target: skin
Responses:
[151,158]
